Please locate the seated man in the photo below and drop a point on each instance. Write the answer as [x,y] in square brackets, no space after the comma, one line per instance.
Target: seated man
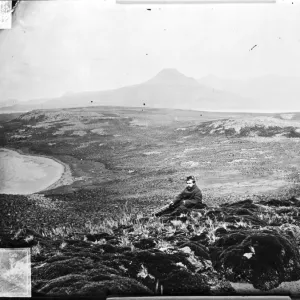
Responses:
[190,197]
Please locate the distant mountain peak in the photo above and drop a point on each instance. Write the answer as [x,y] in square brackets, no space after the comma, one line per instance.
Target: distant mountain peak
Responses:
[170,71]
[172,76]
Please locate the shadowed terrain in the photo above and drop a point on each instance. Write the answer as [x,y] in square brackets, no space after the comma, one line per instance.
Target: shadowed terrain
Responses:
[122,163]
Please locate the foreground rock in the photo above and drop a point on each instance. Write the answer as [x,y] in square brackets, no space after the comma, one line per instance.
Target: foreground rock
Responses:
[263,258]
[198,253]
[98,285]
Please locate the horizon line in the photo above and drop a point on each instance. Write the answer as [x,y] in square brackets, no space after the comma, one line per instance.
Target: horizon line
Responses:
[161,108]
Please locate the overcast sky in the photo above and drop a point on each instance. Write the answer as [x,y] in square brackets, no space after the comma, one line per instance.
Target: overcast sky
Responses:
[60,46]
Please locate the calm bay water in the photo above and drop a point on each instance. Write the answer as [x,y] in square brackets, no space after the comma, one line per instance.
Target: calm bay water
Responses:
[27,174]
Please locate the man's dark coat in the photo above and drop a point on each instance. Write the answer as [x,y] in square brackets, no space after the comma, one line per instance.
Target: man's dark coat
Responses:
[192,197]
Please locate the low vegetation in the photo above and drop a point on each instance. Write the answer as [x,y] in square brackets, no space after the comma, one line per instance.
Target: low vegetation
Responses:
[253,127]
[96,235]
[144,253]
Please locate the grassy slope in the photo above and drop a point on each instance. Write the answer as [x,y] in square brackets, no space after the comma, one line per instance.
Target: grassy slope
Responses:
[143,155]
[130,161]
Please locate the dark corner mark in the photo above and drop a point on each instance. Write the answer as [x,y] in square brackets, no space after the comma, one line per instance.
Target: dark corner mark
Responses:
[149,9]
[14,3]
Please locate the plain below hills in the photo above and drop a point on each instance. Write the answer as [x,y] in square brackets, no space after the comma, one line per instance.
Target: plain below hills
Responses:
[148,151]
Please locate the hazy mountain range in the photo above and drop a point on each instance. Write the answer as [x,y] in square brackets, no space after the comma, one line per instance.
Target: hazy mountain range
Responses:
[171,89]
[280,92]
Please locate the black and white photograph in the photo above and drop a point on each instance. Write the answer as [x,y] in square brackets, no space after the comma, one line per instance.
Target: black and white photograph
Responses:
[15,272]
[151,148]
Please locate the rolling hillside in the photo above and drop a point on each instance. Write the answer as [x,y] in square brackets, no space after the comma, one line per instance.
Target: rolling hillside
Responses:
[264,126]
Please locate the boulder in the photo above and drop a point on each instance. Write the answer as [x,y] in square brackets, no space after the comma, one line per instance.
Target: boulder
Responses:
[74,265]
[57,286]
[203,238]
[145,243]
[199,250]
[99,286]
[152,266]
[264,258]
[220,231]
[160,264]
[120,286]
[183,282]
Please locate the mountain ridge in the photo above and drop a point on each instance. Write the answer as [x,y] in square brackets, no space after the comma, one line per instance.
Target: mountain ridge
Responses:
[169,88]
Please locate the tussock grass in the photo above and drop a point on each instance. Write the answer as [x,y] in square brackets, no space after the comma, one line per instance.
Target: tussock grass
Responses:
[273,218]
[128,226]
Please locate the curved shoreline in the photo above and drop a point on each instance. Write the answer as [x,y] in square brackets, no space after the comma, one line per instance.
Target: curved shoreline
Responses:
[65,177]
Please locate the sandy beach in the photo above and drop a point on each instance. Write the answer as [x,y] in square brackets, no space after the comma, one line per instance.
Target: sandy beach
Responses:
[27,174]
